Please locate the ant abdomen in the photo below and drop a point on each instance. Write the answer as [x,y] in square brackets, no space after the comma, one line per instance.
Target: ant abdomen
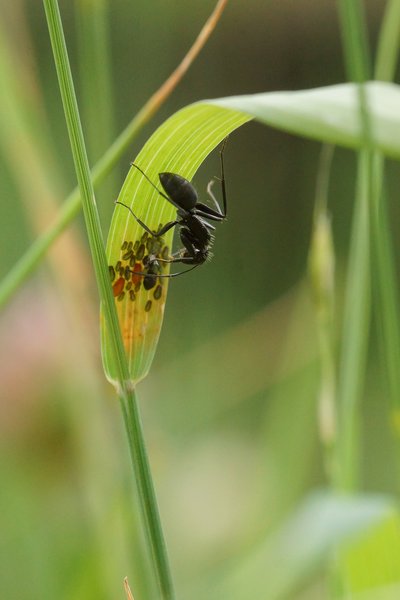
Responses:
[179,189]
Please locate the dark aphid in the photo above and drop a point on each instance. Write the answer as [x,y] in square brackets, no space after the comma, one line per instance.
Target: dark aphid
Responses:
[127,255]
[148,305]
[140,252]
[111,270]
[192,220]
[157,292]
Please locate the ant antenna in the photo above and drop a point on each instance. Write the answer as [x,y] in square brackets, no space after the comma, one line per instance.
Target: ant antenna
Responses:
[137,218]
[150,181]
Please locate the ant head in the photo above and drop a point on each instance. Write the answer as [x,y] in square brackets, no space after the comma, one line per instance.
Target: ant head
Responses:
[180,190]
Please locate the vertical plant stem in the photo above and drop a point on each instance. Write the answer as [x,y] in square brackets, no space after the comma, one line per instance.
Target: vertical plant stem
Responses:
[386,296]
[387,299]
[127,397]
[94,51]
[355,40]
[388,42]
[354,337]
[322,274]
[356,323]
[144,482]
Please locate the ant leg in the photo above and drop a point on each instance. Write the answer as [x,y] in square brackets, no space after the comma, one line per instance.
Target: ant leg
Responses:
[179,256]
[169,275]
[223,187]
[166,228]
[151,183]
[209,213]
[171,259]
[176,258]
[156,234]
[213,198]
[181,272]
[206,211]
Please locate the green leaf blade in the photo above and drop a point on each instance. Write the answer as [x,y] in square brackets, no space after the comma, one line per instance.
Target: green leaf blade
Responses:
[180,145]
[329,114]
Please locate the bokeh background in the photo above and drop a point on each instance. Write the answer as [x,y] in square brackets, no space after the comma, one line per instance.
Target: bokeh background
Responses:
[229,408]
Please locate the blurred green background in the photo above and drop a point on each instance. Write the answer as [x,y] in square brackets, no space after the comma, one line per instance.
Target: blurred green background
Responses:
[229,408]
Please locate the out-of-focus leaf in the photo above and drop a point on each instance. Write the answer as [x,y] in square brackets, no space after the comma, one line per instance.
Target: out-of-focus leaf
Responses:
[373,561]
[387,592]
[328,114]
[301,547]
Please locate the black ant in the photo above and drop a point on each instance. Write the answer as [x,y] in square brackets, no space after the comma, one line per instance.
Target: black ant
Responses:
[194,229]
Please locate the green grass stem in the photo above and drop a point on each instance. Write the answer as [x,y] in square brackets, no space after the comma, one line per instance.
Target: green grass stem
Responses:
[96,81]
[356,323]
[386,294]
[94,52]
[321,265]
[352,367]
[388,42]
[387,299]
[355,39]
[151,521]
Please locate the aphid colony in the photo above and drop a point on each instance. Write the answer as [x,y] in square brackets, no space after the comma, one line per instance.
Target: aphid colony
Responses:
[132,270]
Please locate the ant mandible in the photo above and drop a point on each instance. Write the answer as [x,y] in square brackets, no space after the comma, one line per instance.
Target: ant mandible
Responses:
[194,229]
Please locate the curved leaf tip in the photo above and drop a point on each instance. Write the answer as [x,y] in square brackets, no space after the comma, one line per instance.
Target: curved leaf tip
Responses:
[179,146]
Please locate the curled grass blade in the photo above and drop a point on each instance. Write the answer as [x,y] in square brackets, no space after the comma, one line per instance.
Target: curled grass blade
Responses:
[179,146]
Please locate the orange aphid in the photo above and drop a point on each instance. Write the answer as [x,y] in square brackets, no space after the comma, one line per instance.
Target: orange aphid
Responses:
[136,278]
[118,286]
